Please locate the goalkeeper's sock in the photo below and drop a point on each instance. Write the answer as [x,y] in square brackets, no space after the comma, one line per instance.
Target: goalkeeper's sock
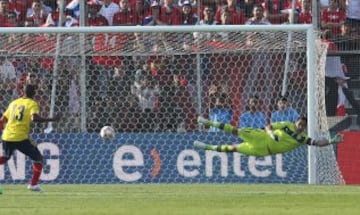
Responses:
[37,168]
[218,148]
[211,147]
[204,146]
[225,148]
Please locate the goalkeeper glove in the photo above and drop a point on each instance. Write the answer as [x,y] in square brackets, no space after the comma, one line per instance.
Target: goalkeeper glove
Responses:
[338,138]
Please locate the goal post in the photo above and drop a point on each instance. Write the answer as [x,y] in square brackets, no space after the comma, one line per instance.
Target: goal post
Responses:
[102,69]
[311,83]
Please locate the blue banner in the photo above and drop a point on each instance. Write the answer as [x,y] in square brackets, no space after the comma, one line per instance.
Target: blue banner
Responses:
[151,158]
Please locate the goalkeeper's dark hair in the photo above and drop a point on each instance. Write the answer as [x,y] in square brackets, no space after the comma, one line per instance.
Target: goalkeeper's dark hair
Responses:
[30,90]
[303,118]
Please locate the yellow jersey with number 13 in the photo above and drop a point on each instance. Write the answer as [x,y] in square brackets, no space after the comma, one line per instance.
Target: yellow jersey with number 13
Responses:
[19,114]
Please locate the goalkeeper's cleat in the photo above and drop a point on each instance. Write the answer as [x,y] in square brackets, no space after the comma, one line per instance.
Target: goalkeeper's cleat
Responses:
[35,188]
[200,145]
[203,121]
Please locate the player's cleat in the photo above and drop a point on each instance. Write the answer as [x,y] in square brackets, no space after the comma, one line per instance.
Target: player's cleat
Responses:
[203,121]
[35,188]
[200,145]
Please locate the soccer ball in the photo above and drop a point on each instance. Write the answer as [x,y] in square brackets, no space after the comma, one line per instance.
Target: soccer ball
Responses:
[107,132]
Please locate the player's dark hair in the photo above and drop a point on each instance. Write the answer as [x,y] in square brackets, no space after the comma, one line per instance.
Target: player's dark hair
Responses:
[258,6]
[30,91]
[283,98]
[303,118]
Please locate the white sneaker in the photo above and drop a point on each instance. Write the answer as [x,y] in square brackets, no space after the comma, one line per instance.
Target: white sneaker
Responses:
[35,188]
[199,145]
[202,120]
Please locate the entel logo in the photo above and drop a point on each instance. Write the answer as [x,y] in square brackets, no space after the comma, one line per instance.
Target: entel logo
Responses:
[189,164]
[17,163]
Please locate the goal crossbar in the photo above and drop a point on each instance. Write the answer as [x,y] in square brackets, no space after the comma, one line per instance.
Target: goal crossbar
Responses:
[158,29]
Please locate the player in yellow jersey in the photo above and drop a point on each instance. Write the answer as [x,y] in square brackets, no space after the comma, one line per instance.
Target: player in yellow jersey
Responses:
[17,119]
[279,137]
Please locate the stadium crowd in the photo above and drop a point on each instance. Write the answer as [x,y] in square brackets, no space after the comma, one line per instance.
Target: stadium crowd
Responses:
[153,90]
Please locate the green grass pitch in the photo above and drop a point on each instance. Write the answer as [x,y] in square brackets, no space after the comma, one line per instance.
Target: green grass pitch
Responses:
[174,199]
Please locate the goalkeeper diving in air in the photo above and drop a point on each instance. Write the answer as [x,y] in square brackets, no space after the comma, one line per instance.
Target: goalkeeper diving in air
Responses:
[278,137]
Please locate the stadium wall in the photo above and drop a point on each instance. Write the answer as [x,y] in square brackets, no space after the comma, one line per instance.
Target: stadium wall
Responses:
[151,158]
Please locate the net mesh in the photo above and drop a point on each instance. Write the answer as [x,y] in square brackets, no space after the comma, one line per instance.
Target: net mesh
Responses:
[327,169]
[161,81]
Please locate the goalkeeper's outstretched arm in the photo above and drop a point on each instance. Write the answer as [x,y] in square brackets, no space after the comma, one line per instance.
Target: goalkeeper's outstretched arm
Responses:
[338,138]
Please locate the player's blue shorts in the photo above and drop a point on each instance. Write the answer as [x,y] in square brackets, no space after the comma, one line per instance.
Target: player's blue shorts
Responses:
[27,147]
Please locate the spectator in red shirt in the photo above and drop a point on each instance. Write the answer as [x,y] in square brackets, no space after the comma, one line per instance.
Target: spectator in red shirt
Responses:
[332,18]
[258,17]
[273,10]
[288,4]
[3,12]
[169,14]
[187,16]
[37,14]
[94,18]
[201,38]
[12,20]
[224,40]
[225,18]
[237,16]
[19,7]
[125,16]
[323,4]
[154,15]
[305,16]
[140,11]
[248,6]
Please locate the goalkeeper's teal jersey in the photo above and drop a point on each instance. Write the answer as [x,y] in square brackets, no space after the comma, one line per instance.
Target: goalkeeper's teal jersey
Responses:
[288,138]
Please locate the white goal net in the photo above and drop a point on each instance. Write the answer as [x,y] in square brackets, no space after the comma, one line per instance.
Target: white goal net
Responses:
[150,84]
